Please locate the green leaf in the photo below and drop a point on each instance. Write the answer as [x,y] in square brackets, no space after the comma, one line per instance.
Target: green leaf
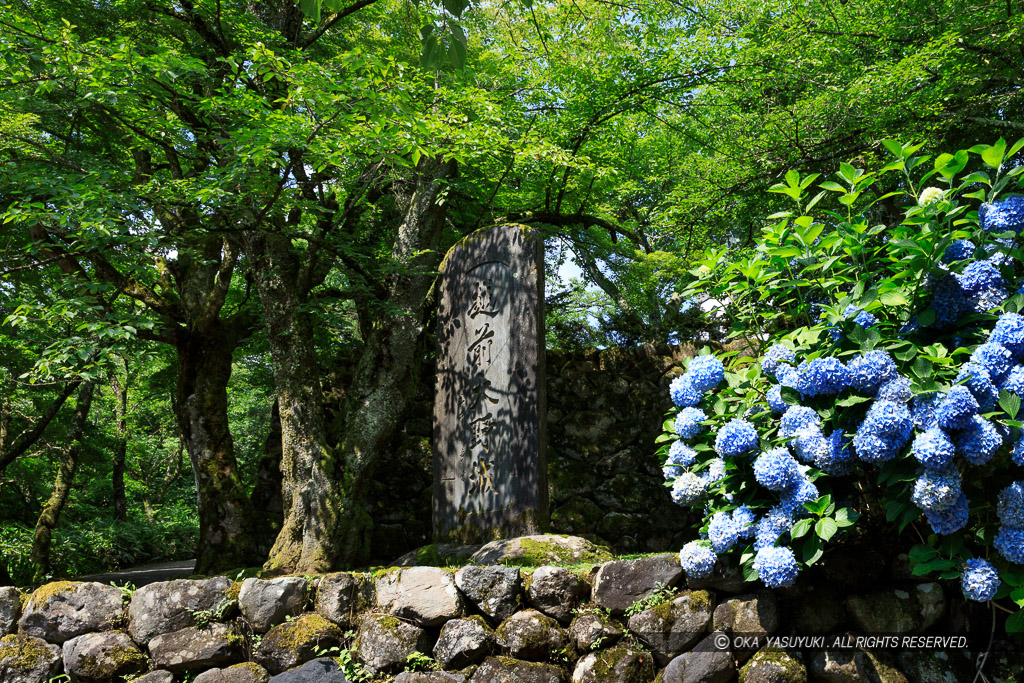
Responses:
[895,148]
[852,400]
[846,517]
[311,8]
[993,156]
[813,550]
[1016,148]
[830,185]
[456,7]
[790,396]
[826,528]
[1010,403]
[1015,623]
[800,529]
[457,52]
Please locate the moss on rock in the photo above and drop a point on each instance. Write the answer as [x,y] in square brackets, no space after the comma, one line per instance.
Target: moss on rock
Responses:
[41,596]
[781,662]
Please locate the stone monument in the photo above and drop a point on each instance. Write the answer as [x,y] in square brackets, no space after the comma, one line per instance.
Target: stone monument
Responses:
[490,469]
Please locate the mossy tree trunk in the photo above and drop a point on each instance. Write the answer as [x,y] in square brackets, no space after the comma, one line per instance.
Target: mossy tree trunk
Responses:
[326,523]
[68,465]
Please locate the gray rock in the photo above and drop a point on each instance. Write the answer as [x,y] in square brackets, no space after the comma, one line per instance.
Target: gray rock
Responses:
[323,670]
[57,612]
[621,583]
[463,642]
[246,672]
[156,677]
[620,664]
[427,595]
[436,555]
[754,614]
[897,611]
[726,577]
[101,657]
[385,642]
[506,670]
[672,628]
[295,642]
[820,611]
[190,649]
[27,659]
[530,635]
[10,609]
[922,666]
[169,606]
[494,590]
[844,666]
[430,677]
[267,603]
[773,666]
[555,591]
[706,663]
[342,597]
[539,550]
[590,631]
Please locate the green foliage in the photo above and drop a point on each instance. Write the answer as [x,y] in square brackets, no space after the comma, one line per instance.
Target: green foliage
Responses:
[816,267]
[659,596]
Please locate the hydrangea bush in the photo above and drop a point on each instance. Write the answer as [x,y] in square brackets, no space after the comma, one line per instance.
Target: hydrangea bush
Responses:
[878,381]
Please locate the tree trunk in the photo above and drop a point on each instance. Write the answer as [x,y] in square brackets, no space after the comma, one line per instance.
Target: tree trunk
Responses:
[265,499]
[201,404]
[121,446]
[308,490]
[50,515]
[326,523]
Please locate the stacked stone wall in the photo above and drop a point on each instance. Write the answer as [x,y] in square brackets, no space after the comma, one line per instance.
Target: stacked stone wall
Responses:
[632,621]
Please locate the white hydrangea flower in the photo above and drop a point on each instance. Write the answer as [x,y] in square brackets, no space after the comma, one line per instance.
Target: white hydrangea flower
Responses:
[931,195]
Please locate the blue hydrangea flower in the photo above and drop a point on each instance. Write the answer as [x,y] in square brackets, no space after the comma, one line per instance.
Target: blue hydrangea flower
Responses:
[958,250]
[723,532]
[979,580]
[1009,331]
[950,520]
[688,489]
[995,358]
[1010,543]
[800,492]
[1011,505]
[776,566]
[1014,382]
[956,408]
[949,300]
[897,390]
[797,419]
[715,471]
[870,371]
[936,490]
[697,559]
[773,524]
[688,423]
[979,276]
[860,317]
[776,469]
[976,378]
[1018,452]
[923,407]
[705,372]
[776,357]
[1003,215]
[933,449]
[837,459]
[736,437]
[775,402]
[680,454]
[986,300]
[824,377]
[978,441]
[810,445]
[790,377]
[746,520]
[683,393]
[885,430]
[671,472]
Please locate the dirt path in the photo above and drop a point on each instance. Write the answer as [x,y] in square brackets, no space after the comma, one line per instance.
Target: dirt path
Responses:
[150,573]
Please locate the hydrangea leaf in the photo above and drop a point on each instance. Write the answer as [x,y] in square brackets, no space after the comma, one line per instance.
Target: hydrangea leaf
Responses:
[826,528]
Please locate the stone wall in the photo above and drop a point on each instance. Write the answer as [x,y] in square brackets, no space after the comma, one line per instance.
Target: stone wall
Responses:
[605,409]
[634,621]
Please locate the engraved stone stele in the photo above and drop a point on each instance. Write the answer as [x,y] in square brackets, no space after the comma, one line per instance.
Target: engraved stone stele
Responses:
[490,470]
